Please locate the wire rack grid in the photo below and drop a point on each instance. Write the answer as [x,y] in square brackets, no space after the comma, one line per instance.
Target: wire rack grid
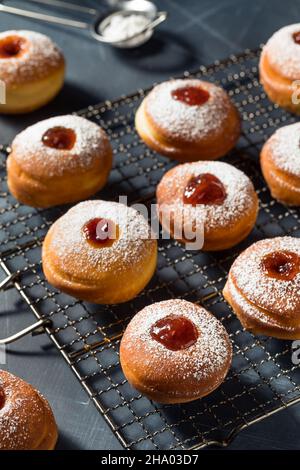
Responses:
[262,379]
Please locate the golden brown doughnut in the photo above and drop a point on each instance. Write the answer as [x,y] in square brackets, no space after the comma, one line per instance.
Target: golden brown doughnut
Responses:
[280,164]
[32,68]
[263,287]
[170,121]
[213,195]
[101,252]
[26,419]
[175,351]
[279,66]
[59,160]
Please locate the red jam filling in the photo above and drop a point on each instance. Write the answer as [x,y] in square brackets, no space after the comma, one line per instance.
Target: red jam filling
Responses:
[2,399]
[282,265]
[204,189]
[59,138]
[296,37]
[11,47]
[101,232]
[175,332]
[191,95]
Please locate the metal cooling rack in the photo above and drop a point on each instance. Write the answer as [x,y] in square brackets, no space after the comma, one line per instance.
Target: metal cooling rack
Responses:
[262,379]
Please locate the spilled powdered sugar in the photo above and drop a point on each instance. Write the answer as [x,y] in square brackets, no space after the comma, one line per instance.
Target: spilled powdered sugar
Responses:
[281,297]
[238,187]
[283,53]
[185,121]
[36,158]
[285,149]
[41,57]
[70,246]
[203,359]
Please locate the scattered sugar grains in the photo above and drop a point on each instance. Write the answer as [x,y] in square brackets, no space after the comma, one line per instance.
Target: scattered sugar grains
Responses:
[188,122]
[203,358]
[283,53]
[90,140]
[238,187]
[285,147]
[277,296]
[133,245]
[38,60]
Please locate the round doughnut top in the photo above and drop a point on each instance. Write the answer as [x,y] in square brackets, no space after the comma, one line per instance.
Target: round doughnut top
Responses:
[22,414]
[283,52]
[40,57]
[71,248]
[202,359]
[238,187]
[33,156]
[278,296]
[284,146]
[181,120]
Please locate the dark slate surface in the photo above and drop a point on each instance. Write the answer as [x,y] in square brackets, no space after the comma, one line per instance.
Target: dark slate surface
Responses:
[197,32]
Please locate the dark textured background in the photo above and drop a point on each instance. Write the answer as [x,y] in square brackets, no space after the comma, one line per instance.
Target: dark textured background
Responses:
[197,32]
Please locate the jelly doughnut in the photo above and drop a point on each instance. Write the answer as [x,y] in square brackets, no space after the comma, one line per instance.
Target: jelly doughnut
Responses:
[100,251]
[175,351]
[57,161]
[26,419]
[263,287]
[214,196]
[188,120]
[280,164]
[279,67]
[32,68]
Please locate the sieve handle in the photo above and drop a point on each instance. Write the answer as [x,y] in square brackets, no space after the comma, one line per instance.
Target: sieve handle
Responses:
[43,17]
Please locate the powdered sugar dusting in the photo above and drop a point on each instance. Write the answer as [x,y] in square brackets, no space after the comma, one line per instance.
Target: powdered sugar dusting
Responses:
[284,146]
[185,121]
[283,53]
[21,415]
[253,312]
[280,297]
[36,158]
[41,57]
[205,358]
[238,187]
[70,246]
